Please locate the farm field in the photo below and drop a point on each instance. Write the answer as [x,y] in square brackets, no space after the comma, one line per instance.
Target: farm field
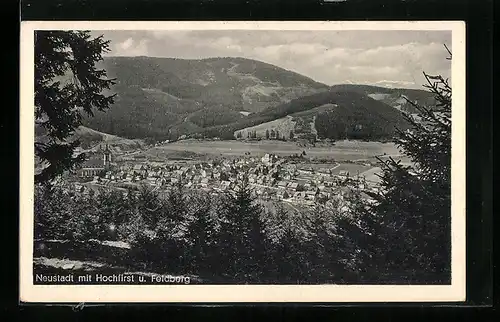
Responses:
[371,175]
[353,169]
[341,151]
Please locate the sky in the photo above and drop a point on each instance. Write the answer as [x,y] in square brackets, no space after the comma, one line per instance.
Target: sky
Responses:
[383,58]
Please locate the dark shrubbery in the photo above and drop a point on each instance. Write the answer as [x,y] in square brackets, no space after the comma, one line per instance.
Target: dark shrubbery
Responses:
[406,236]
[226,238]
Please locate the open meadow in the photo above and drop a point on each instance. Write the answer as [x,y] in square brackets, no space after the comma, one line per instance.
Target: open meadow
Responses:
[341,151]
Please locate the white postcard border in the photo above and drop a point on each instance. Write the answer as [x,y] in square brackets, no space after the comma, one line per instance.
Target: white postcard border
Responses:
[240,293]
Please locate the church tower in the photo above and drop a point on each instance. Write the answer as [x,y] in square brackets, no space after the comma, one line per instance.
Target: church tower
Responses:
[107,157]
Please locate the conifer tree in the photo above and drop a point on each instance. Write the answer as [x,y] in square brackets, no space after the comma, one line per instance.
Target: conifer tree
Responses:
[67,85]
[148,205]
[201,236]
[52,211]
[110,212]
[410,224]
[242,235]
[284,247]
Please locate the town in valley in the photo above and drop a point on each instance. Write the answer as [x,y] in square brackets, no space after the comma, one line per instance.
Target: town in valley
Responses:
[295,179]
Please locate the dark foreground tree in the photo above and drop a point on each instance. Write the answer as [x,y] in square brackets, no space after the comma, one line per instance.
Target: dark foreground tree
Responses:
[410,226]
[201,241]
[242,238]
[67,84]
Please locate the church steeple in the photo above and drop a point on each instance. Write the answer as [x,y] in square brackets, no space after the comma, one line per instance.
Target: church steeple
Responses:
[107,156]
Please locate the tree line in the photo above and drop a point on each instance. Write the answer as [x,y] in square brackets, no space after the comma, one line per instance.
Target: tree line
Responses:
[226,238]
[273,134]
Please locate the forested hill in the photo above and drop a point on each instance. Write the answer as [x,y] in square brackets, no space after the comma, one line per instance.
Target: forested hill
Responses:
[336,115]
[162,97]
[395,97]
[166,98]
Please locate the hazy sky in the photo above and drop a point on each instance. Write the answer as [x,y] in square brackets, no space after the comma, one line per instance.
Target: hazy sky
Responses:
[386,58]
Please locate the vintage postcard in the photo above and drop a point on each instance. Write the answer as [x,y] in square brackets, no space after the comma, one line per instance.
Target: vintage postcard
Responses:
[242,161]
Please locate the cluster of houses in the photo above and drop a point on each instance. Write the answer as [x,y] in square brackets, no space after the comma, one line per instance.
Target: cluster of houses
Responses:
[269,178]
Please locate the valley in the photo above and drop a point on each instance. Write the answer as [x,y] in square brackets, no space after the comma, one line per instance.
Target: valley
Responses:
[169,99]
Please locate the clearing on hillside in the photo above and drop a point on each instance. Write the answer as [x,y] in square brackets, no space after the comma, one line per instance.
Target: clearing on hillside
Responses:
[282,127]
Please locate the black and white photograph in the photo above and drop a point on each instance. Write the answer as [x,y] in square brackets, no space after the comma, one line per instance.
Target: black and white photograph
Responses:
[270,161]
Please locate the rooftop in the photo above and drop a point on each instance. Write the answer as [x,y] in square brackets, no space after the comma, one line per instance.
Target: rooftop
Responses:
[93,163]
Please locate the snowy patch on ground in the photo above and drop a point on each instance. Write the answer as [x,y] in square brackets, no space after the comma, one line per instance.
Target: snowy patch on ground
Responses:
[110,243]
[67,263]
[117,244]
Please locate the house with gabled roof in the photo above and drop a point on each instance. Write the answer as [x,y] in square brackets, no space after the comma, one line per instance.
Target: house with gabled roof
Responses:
[282,194]
[300,195]
[344,174]
[325,194]
[204,182]
[282,184]
[311,194]
[225,185]
[293,185]
[138,167]
[271,181]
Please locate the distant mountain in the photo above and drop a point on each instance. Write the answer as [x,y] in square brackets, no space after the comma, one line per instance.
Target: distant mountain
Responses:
[333,114]
[163,97]
[166,98]
[395,97]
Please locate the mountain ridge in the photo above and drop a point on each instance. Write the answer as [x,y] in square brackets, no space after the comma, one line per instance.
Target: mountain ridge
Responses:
[166,98]
[335,115]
